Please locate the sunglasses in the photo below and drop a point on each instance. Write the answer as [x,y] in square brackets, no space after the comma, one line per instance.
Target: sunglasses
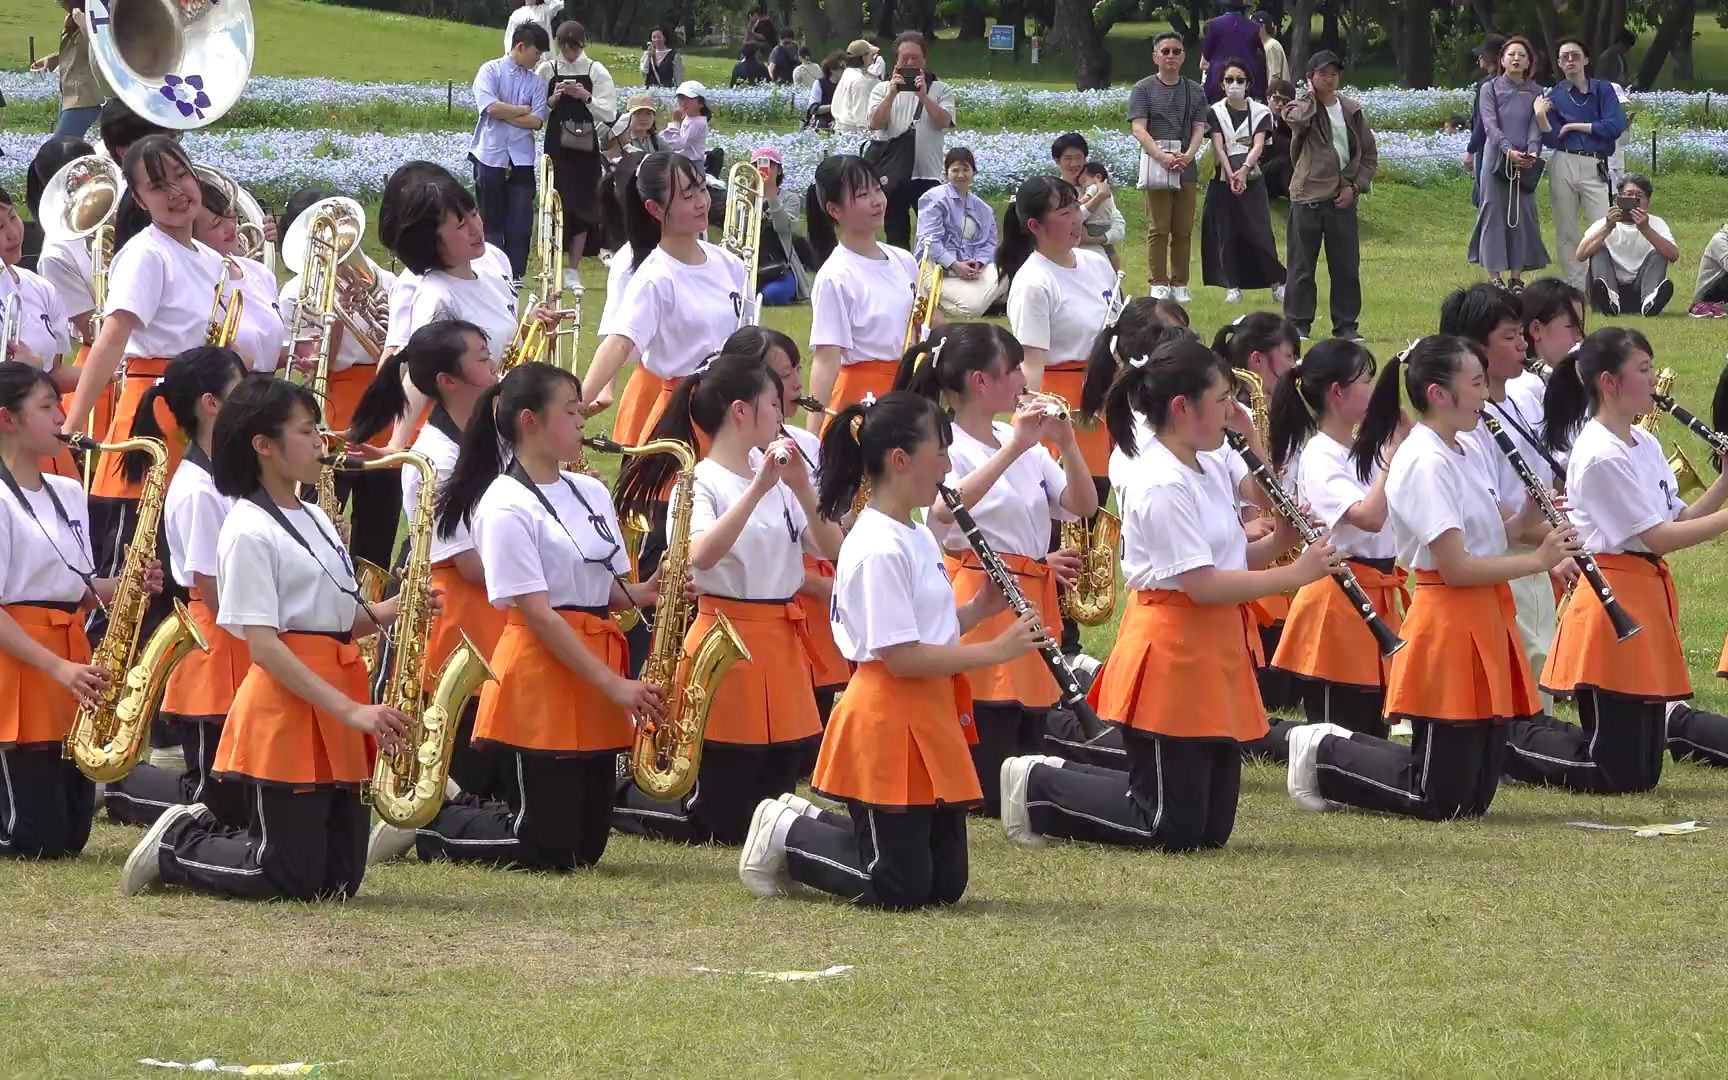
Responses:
[1235,82]
[1169,52]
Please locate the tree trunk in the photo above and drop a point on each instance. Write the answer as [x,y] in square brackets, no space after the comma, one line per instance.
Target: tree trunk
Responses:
[812,21]
[845,21]
[885,12]
[971,21]
[1301,36]
[1075,33]
[1683,57]
[1677,20]
[1550,41]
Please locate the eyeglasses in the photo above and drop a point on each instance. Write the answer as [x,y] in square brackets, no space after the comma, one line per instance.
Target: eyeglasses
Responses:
[1169,52]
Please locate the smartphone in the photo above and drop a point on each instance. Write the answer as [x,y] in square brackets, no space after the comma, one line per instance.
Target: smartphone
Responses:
[907,77]
[1625,203]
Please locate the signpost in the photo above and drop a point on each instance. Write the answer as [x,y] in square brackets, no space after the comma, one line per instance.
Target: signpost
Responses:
[1001,40]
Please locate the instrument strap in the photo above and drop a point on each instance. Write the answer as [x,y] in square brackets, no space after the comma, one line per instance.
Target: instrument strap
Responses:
[88,577]
[441,420]
[520,474]
[1516,419]
[264,501]
[195,455]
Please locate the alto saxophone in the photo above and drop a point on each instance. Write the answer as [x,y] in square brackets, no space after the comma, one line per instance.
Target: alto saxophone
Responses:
[666,755]
[109,735]
[407,787]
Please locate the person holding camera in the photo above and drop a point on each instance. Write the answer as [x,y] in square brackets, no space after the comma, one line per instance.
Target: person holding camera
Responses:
[661,65]
[782,273]
[916,108]
[1629,251]
[582,104]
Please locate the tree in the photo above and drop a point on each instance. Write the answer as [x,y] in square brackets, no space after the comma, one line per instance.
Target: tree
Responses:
[1410,30]
[845,20]
[1079,30]
[1676,22]
[812,21]
[1301,35]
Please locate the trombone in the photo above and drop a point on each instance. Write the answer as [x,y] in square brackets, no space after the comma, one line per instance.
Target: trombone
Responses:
[558,346]
[742,236]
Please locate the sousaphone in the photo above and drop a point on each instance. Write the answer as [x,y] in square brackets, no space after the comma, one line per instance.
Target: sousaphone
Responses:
[177,63]
[81,197]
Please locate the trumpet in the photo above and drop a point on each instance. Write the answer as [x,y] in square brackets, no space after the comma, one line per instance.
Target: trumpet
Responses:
[925,296]
[226,310]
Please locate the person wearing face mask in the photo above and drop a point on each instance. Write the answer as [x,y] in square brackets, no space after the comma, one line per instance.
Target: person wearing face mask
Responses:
[1237,250]
[1508,236]
[958,230]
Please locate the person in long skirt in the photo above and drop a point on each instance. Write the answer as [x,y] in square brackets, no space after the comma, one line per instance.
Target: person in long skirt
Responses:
[1180,678]
[1508,235]
[1237,250]
[1462,677]
[895,751]
[582,104]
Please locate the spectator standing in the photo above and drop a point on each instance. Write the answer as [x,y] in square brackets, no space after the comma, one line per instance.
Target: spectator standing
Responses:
[582,105]
[783,61]
[1581,119]
[511,100]
[1237,250]
[1275,163]
[81,86]
[851,102]
[1629,252]
[1232,35]
[1334,160]
[1168,116]
[1615,63]
[958,230]
[819,115]
[545,13]
[687,134]
[912,99]
[1508,234]
[749,70]
[661,65]
[808,72]
[1277,60]
[1104,224]
[1488,64]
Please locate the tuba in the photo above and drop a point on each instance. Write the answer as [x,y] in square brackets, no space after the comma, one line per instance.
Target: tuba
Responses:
[745,194]
[925,295]
[109,736]
[179,64]
[407,787]
[665,756]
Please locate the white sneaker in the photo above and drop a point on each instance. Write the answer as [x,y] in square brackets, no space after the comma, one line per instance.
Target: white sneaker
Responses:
[452,790]
[1159,292]
[1404,728]
[1233,296]
[1016,821]
[1668,714]
[1180,294]
[799,803]
[388,843]
[1304,779]
[762,863]
[572,280]
[1277,294]
[143,869]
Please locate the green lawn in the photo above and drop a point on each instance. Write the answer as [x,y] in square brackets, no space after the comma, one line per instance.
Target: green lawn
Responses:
[1345,945]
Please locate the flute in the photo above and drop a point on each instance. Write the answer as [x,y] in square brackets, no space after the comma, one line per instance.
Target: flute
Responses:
[1286,507]
[1073,698]
[1624,626]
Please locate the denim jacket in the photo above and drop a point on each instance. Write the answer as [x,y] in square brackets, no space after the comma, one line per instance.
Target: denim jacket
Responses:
[942,217]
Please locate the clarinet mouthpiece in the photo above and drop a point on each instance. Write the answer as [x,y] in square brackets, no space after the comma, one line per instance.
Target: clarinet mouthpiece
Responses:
[603,444]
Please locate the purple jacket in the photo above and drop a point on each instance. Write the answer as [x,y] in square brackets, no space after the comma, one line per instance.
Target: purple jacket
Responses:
[1233,36]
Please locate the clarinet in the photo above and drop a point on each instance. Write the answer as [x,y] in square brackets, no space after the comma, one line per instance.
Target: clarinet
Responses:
[1286,507]
[1624,626]
[1073,698]
[1717,441]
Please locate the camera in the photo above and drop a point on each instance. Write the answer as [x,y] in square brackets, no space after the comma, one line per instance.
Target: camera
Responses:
[1625,203]
[906,78]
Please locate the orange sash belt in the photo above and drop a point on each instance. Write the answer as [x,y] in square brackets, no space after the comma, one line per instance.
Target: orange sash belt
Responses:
[141,373]
[1024,679]
[829,668]
[34,709]
[275,736]
[539,704]
[203,685]
[859,378]
[1065,380]
[641,392]
[1324,636]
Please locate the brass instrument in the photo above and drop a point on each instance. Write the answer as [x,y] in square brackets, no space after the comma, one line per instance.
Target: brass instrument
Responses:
[742,236]
[110,735]
[666,755]
[560,348]
[180,64]
[529,340]
[248,216]
[1091,600]
[407,787]
[324,243]
[11,322]
[925,296]
[1538,368]
[1258,409]
[226,309]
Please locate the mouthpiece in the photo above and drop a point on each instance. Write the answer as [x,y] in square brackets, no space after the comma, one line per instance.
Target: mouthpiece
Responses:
[341,461]
[812,405]
[602,444]
[78,442]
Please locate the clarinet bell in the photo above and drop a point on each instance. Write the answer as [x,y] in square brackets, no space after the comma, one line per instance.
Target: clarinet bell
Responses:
[1385,636]
[1624,626]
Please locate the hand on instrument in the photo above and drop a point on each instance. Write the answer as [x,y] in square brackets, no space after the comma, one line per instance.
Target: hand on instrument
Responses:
[387,725]
[988,601]
[779,461]
[547,315]
[435,601]
[85,682]
[365,451]
[1567,573]
[1560,544]
[1065,564]
[269,229]
[1032,425]
[1026,634]
[153,576]
[1259,528]
[1317,560]
[641,700]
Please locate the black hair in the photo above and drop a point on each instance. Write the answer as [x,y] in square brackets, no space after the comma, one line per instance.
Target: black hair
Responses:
[1166,35]
[1181,367]
[1257,331]
[1072,140]
[1173,312]
[421,213]
[610,202]
[572,33]
[1095,168]
[839,179]
[200,370]
[748,50]
[964,347]
[5,197]
[699,404]
[1639,181]
[959,153]
[1433,361]
[1299,399]
[50,158]
[433,350]
[1572,39]
[759,341]
[1233,62]
[531,33]
[296,205]
[858,440]
[1474,312]
[911,37]
[1625,38]
[261,405]
[1546,299]
[1037,196]
[19,380]
[1571,395]
[1283,88]
[151,153]
[119,127]
[493,422]
[1140,329]
[654,177]
[215,197]
[406,175]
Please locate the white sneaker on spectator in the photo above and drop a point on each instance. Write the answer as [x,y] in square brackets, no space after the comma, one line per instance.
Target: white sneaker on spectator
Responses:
[1277,294]
[1181,295]
[1658,298]
[1159,292]
[1233,296]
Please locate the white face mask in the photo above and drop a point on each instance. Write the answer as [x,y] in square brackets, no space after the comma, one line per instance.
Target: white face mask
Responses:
[1236,92]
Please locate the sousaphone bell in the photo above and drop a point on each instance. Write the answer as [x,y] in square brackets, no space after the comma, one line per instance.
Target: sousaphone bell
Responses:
[81,198]
[177,63]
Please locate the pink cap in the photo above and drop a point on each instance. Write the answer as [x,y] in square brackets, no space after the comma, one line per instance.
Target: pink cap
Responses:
[766,153]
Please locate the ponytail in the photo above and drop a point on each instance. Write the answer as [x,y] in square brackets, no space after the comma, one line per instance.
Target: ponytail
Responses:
[840,178]
[1036,196]
[947,360]
[493,424]
[1181,367]
[858,440]
[1299,399]
[435,349]
[383,403]
[1256,332]
[1139,330]
[203,369]
[1572,394]
[1436,360]
[655,178]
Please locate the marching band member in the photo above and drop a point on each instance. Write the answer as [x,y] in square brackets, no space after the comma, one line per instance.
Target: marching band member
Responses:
[560,711]
[1326,647]
[440,237]
[201,687]
[390,208]
[260,336]
[1553,319]
[895,751]
[752,518]
[1193,573]
[1016,492]
[43,338]
[300,733]
[1629,515]
[1693,734]
[1451,530]
[46,581]
[682,300]
[861,298]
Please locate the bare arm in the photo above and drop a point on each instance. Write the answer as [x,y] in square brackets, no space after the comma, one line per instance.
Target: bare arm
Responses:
[380,721]
[824,372]
[100,366]
[1458,567]
[613,354]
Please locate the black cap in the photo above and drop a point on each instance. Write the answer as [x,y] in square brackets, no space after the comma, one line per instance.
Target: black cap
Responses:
[1324,58]
[1491,46]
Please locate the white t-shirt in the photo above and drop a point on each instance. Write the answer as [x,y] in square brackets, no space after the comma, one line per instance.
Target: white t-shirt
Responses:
[1432,489]
[488,300]
[266,577]
[766,562]
[440,450]
[930,141]
[1518,415]
[676,314]
[1325,478]
[890,588]
[1176,519]
[1340,133]
[1124,468]
[262,332]
[1015,514]
[1627,246]
[33,566]
[1061,310]
[540,13]
[192,517]
[66,265]
[851,105]
[401,307]
[1618,491]
[526,551]
[619,271]
[169,288]
[349,352]
[862,305]
[43,328]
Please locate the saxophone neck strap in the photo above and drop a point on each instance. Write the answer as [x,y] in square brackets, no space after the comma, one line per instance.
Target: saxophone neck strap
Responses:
[195,455]
[601,526]
[442,421]
[87,576]
[262,499]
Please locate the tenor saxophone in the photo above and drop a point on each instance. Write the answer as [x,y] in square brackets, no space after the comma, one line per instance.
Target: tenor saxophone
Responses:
[109,735]
[407,787]
[666,755]
[1091,599]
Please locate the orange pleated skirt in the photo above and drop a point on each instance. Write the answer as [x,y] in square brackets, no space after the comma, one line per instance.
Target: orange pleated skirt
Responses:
[1024,679]
[1464,662]
[1270,610]
[202,686]
[1065,380]
[276,737]
[828,668]
[346,388]
[900,742]
[466,610]
[34,709]
[1649,664]
[141,374]
[641,393]
[1324,636]
[769,698]
[539,704]
[1183,669]
[860,378]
